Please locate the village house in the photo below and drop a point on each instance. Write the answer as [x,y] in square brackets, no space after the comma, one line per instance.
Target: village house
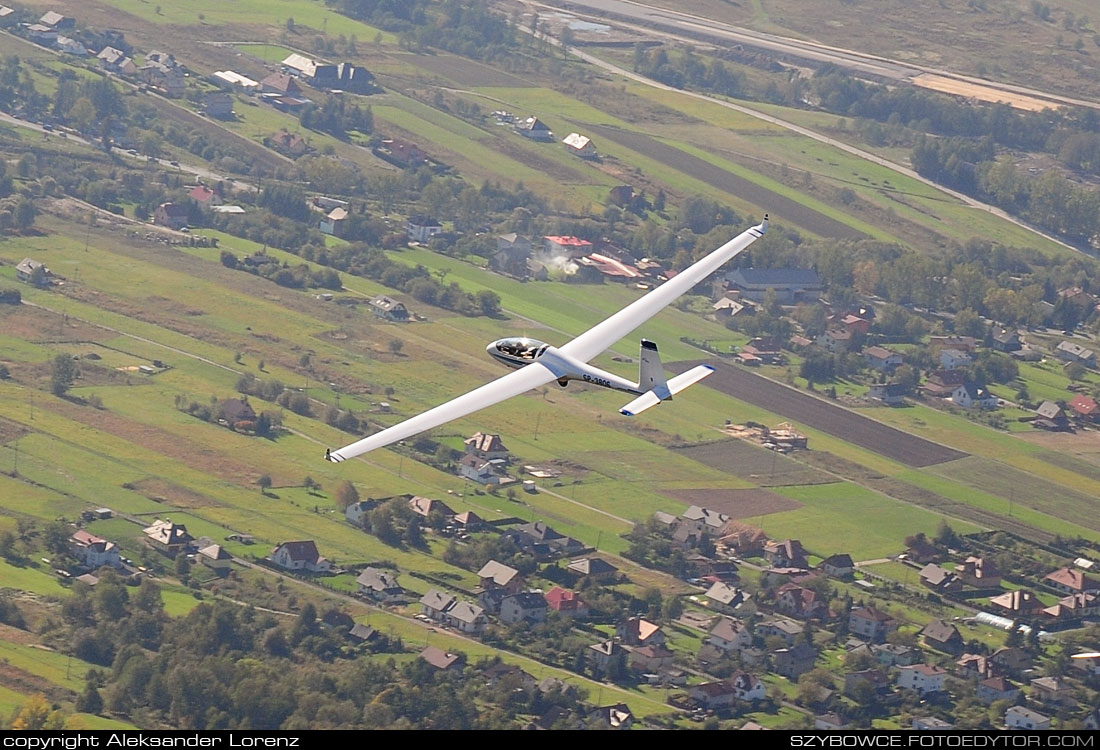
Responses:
[594,568]
[891,394]
[1085,409]
[653,658]
[703,521]
[422,228]
[543,541]
[486,447]
[835,340]
[440,659]
[481,471]
[168,79]
[975,665]
[1077,296]
[215,557]
[116,61]
[469,521]
[1018,717]
[617,716]
[580,145]
[567,246]
[713,696]
[402,153]
[955,359]
[942,383]
[171,215]
[931,724]
[388,308]
[1070,581]
[356,513]
[292,145]
[1067,351]
[1012,660]
[871,624]
[33,272]
[1005,340]
[509,673]
[786,630]
[237,413]
[495,575]
[57,22]
[895,654]
[204,196]
[924,678]
[962,343]
[942,636]
[533,128]
[725,598]
[970,395]
[426,506]
[638,631]
[1074,607]
[831,722]
[302,555]
[600,655]
[379,586]
[566,602]
[979,572]
[1018,603]
[791,285]
[1051,416]
[1053,691]
[743,540]
[436,603]
[526,605]
[231,80]
[362,633]
[513,252]
[335,222]
[282,84]
[994,689]
[94,552]
[921,550]
[838,566]
[729,634]
[795,661]
[795,601]
[786,554]
[167,537]
[466,617]
[939,579]
[218,104]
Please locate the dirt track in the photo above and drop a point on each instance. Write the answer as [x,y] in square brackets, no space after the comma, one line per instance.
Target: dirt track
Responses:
[825,416]
[777,205]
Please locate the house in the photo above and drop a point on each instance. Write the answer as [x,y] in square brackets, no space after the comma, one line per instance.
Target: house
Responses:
[466,617]
[652,659]
[1019,603]
[171,215]
[513,252]
[33,272]
[566,602]
[995,689]
[116,61]
[975,665]
[499,672]
[703,521]
[617,716]
[1085,408]
[533,128]
[1011,659]
[1006,340]
[7,16]
[389,309]
[931,723]
[292,145]
[940,580]
[954,359]
[1067,351]
[539,537]
[921,550]
[979,572]
[795,601]
[970,395]
[282,84]
[70,46]
[1052,691]
[891,394]
[167,537]
[942,383]
[791,285]
[301,555]
[436,603]
[204,196]
[57,22]
[870,623]
[402,153]
[237,412]
[481,471]
[942,636]
[729,634]
[786,554]
[230,80]
[442,660]
[743,540]
[422,228]
[218,104]
[580,145]
[426,506]
[1018,717]
[379,585]
[486,447]
[961,343]
[830,722]
[895,654]
[495,575]
[713,696]
[593,567]
[335,222]
[362,633]
[726,308]
[568,246]
[838,566]
[42,34]
[170,80]
[924,678]
[215,557]
[795,661]
[1077,296]
[1051,416]
[725,598]
[638,631]
[94,552]
[835,340]
[356,513]
[526,605]
[875,679]
[469,521]
[1074,607]
[786,630]
[601,655]
[1070,581]
[747,687]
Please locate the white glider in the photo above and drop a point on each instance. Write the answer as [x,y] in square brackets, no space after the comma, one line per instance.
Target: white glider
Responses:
[537,363]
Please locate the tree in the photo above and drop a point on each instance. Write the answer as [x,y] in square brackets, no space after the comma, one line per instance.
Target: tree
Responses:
[89,702]
[396,345]
[63,372]
[264,483]
[25,214]
[346,495]
[33,714]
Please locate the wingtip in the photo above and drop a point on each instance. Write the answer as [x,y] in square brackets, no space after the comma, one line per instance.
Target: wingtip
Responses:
[764,224]
[334,457]
[626,413]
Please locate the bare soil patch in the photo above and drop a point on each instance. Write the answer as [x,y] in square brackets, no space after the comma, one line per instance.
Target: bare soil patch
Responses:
[464,72]
[15,635]
[11,431]
[825,416]
[767,468]
[981,93]
[37,325]
[737,503]
[162,491]
[24,682]
[777,205]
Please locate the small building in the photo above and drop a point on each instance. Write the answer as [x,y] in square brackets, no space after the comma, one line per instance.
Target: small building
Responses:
[440,659]
[993,689]
[1005,340]
[617,716]
[1074,607]
[526,605]
[600,655]
[389,309]
[838,566]
[335,222]
[1067,351]
[466,617]
[70,46]
[426,506]
[116,61]
[729,634]
[924,678]
[282,84]
[795,661]
[942,383]
[402,153]
[954,359]
[422,228]
[237,412]
[786,554]
[1052,691]
[1085,408]
[595,568]
[1018,603]
[167,537]
[230,80]
[204,196]
[481,471]
[513,252]
[891,394]
[57,22]
[566,602]
[301,555]
[941,580]
[94,552]
[651,659]
[292,145]
[495,575]
[487,447]
[831,722]
[931,724]
[1051,416]
[218,104]
[31,271]
[791,285]
[1070,581]
[743,540]
[356,513]
[979,572]
[703,520]
[379,585]
[171,215]
[1018,717]
[942,636]
[580,145]
[787,630]
[972,395]
[725,598]
[638,631]
[895,654]
[712,696]
[533,128]
[436,603]
[835,340]
[871,623]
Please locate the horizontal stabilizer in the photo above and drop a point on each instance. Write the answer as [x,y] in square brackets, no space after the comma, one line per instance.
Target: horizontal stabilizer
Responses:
[677,384]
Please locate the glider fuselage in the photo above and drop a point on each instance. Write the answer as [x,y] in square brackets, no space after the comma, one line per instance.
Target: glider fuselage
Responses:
[520,352]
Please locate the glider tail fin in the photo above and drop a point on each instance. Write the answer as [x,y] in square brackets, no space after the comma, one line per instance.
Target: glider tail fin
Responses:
[651,374]
[674,386]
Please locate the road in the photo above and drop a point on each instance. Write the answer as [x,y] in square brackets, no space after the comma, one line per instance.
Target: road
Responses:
[693,26]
